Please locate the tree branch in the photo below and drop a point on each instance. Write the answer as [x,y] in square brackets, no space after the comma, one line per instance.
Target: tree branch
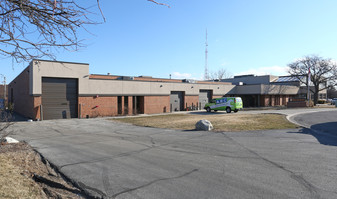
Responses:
[163,4]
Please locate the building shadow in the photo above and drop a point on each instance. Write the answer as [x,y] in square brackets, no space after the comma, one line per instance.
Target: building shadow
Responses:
[325,133]
[328,127]
[6,116]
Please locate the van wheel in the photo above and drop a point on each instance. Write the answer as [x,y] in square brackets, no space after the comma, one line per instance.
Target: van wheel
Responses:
[215,110]
[208,109]
[228,110]
[236,110]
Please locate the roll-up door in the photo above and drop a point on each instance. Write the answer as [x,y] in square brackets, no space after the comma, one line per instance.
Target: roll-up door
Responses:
[59,98]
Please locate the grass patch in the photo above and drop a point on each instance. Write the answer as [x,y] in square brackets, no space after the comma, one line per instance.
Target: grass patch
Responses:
[21,166]
[223,122]
[12,183]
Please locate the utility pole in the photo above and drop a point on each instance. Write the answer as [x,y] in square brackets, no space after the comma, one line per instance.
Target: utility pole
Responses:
[5,88]
[308,80]
[206,76]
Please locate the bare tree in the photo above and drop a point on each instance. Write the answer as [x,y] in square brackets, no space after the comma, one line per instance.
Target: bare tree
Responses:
[323,73]
[30,28]
[34,28]
[220,74]
[156,2]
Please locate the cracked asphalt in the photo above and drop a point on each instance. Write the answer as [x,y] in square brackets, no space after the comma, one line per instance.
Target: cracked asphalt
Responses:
[113,160]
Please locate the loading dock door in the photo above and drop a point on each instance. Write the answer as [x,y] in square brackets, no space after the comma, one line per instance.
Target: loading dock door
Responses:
[59,98]
[204,97]
[177,101]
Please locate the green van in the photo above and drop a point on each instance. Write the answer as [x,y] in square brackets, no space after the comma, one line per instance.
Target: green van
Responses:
[227,104]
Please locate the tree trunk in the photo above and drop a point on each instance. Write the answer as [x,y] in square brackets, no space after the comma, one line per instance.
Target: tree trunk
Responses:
[316,95]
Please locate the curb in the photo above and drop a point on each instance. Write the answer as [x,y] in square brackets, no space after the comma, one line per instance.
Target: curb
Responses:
[291,116]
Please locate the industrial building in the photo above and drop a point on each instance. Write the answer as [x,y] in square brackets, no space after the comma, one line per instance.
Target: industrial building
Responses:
[55,90]
[269,90]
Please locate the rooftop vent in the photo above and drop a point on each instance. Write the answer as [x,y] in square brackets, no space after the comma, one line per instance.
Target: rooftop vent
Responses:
[189,80]
[126,78]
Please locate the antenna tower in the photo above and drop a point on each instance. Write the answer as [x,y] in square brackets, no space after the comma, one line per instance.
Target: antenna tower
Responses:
[206,76]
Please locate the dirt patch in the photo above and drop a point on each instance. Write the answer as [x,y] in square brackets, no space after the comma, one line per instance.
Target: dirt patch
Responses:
[25,174]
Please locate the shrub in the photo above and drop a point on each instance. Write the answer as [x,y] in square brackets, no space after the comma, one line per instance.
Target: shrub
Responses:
[321,101]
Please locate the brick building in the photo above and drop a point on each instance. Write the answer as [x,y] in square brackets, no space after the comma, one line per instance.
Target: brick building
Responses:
[54,90]
[269,90]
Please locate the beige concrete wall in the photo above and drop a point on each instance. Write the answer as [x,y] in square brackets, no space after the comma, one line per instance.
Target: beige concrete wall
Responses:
[60,70]
[266,90]
[132,87]
[120,87]
[111,87]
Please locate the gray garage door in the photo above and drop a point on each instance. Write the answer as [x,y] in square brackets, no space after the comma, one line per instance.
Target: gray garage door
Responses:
[59,98]
[177,101]
[204,97]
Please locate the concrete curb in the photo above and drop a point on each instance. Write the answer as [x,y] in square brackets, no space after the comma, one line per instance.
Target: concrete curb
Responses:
[290,118]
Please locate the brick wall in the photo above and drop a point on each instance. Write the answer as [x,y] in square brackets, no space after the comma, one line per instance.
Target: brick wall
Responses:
[103,77]
[37,108]
[297,104]
[156,104]
[150,79]
[100,106]
[191,101]
[275,100]
[97,106]
[19,89]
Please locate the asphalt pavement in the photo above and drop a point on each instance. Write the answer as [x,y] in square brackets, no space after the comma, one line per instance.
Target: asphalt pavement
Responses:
[114,160]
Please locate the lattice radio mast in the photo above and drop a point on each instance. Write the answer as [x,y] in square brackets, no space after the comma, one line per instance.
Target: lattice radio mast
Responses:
[206,76]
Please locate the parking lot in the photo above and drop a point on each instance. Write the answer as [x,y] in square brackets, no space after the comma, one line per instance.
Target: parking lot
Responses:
[113,160]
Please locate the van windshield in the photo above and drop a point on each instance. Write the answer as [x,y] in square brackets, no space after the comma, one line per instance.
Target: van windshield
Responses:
[238,99]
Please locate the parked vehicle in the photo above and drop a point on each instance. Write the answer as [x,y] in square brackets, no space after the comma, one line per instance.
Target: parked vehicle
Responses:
[227,104]
[333,101]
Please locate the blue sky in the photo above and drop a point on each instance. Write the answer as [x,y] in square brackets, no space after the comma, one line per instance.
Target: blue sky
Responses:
[244,37]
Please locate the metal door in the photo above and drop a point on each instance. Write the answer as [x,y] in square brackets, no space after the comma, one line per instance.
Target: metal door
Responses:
[204,97]
[59,98]
[177,101]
